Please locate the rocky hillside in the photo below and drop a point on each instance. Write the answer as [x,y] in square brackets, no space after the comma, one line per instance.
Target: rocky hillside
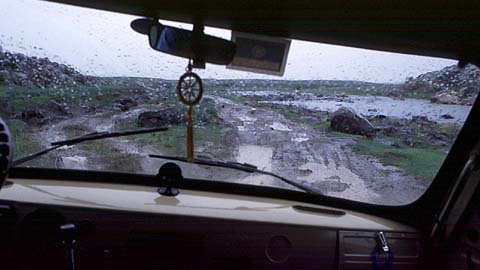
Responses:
[451,85]
[16,68]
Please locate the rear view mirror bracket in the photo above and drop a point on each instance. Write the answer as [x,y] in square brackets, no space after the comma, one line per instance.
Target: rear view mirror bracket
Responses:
[195,45]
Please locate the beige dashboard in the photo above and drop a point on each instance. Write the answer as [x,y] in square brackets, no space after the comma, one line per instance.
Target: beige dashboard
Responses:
[192,203]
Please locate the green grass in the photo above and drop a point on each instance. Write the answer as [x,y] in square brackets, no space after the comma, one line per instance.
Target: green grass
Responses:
[111,158]
[15,99]
[25,142]
[173,141]
[421,163]
[103,152]
[208,131]
[327,87]
[23,139]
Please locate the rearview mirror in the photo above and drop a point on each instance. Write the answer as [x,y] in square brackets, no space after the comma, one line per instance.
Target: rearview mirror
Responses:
[184,43]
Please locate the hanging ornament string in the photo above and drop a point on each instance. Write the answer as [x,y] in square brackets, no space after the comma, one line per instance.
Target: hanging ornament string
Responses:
[189,92]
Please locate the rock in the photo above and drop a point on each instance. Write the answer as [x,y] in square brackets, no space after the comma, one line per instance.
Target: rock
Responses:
[124,104]
[347,121]
[446,97]
[4,76]
[58,109]
[33,117]
[396,93]
[19,78]
[446,116]
[420,119]
[419,131]
[88,108]
[167,116]
[395,144]
[387,129]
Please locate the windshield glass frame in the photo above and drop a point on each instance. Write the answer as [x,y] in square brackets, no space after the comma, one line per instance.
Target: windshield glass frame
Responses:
[275,125]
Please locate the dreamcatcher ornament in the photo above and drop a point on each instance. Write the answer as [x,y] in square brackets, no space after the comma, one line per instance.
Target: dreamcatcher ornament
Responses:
[189,92]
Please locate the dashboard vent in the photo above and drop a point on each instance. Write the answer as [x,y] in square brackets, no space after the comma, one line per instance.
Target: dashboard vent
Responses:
[318,210]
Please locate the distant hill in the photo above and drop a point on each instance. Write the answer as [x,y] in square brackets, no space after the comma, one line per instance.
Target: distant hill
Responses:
[19,69]
[450,85]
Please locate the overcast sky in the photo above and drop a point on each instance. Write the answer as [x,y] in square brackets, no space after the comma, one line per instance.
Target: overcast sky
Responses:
[103,44]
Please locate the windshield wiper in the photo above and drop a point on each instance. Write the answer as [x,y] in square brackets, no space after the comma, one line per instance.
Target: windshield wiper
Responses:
[83,138]
[246,167]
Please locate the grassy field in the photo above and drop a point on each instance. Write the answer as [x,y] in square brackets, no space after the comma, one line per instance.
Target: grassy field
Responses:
[15,99]
[222,87]
[26,142]
[423,163]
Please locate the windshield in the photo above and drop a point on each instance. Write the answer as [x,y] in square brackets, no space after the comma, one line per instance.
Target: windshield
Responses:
[358,124]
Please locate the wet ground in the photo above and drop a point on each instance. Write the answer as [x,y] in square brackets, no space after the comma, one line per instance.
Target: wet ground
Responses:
[312,158]
[273,143]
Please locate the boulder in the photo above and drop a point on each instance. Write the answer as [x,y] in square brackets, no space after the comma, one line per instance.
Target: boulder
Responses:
[348,121]
[167,116]
[33,117]
[19,78]
[58,109]
[4,76]
[124,104]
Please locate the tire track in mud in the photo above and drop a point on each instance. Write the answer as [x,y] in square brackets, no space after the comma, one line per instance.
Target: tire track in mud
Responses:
[303,154]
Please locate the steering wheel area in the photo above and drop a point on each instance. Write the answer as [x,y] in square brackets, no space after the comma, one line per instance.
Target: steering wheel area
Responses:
[190,88]
[6,151]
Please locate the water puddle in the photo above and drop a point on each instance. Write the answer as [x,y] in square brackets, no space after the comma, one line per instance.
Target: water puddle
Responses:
[74,162]
[338,182]
[300,137]
[378,105]
[245,118]
[261,157]
[278,126]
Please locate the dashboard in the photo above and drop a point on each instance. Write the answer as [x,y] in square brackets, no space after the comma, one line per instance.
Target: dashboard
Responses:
[60,224]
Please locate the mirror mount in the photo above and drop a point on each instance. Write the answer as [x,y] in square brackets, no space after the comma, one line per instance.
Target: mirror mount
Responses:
[194,45]
[197,46]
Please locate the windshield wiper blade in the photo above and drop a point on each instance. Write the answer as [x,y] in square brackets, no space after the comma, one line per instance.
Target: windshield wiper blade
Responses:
[83,138]
[246,167]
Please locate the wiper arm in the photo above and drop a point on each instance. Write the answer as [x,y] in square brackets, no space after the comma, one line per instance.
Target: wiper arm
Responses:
[83,138]
[246,167]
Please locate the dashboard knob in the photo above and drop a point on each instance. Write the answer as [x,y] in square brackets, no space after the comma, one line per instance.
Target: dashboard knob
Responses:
[278,249]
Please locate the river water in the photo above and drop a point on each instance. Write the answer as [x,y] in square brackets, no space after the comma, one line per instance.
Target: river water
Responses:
[375,105]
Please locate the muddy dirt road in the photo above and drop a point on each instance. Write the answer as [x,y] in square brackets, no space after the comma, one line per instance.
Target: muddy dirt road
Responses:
[257,136]
[301,153]
[120,154]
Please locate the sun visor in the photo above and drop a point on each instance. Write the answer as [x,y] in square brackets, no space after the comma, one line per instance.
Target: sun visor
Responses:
[260,54]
